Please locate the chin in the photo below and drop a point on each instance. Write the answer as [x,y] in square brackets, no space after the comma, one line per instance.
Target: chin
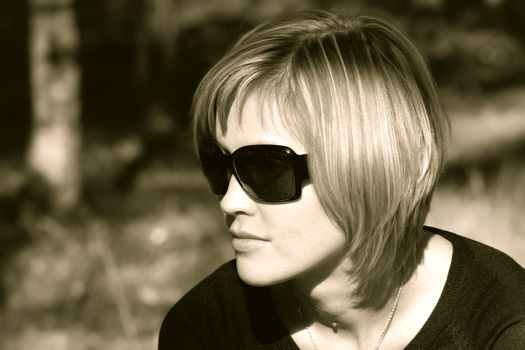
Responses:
[257,274]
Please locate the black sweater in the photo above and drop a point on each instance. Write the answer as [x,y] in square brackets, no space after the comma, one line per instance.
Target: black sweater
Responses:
[481,307]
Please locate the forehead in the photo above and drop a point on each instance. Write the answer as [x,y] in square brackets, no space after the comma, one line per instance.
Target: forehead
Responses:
[257,121]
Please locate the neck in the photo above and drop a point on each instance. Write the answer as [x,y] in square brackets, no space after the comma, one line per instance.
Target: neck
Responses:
[327,302]
[324,297]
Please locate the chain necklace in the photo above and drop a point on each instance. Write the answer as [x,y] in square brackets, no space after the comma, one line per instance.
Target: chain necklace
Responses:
[334,324]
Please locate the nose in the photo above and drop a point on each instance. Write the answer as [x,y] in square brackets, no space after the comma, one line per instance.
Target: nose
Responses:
[236,201]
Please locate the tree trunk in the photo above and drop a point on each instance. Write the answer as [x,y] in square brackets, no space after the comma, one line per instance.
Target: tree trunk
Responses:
[54,150]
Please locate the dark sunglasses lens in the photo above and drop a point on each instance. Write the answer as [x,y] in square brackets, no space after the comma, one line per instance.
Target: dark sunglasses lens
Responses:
[215,168]
[266,175]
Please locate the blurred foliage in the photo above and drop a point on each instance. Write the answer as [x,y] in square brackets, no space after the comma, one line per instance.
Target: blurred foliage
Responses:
[103,275]
[143,58]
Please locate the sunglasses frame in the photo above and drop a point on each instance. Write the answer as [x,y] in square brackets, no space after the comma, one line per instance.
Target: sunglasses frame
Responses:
[297,162]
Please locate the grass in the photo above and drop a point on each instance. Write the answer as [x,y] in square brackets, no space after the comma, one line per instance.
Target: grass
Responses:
[491,212]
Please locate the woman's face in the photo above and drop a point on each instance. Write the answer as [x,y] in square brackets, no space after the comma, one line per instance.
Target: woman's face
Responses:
[274,242]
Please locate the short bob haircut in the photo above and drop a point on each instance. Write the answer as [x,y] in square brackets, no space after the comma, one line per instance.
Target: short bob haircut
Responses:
[359,95]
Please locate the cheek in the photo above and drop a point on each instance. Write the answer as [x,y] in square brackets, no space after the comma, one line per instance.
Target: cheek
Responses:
[303,220]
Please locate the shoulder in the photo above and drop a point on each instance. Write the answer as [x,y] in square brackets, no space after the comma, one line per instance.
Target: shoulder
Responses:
[484,263]
[222,312]
[220,286]
[207,305]
[512,338]
[223,283]
[482,303]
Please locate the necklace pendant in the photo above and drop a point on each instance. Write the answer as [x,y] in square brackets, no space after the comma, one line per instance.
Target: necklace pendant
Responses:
[334,326]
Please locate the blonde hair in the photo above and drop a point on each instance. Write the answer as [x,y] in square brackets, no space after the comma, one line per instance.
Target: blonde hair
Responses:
[359,95]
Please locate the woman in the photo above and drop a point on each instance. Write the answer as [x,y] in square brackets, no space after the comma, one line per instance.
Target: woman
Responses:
[323,138]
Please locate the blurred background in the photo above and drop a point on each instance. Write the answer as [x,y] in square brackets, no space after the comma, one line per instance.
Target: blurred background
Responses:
[105,219]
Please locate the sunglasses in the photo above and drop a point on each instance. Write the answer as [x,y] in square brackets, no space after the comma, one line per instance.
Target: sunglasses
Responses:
[268,173]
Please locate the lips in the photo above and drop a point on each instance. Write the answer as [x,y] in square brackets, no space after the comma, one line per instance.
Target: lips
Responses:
[243,242]
[246,235]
